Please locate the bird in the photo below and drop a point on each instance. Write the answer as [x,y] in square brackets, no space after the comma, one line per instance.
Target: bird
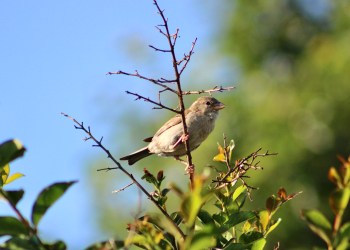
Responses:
[169,139]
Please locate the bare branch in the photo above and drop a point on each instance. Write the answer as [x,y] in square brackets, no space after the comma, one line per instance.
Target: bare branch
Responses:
[161,50]
[123,188]
[159,82]
[171,44]
[159,104]
[209,91]
[187,57]
[120,167]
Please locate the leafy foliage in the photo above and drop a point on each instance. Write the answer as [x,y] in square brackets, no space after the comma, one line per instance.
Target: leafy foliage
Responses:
[212,215]
[291,95]
[335,235]
[22,234]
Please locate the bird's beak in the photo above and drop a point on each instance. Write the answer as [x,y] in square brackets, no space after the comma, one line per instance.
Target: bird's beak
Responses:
[219,106]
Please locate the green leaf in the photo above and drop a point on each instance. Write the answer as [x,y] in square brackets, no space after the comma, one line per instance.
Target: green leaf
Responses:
[58,245]
[117,244]
[319,224]
[12,196]
[273,226]
[339,200]
[238,192]
[240,217]
[220,217]
[150,178]
[190,208]
[345,230]
[11,226]
[46,198]
[205,217]
[237,246]
[317,219]
[21,242]
[202,239]
[176,217]
[250,237]
[343,237]
[235,219]
[10,150]
[259,244]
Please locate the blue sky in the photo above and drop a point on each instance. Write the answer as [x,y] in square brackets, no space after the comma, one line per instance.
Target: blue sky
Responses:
[54,58]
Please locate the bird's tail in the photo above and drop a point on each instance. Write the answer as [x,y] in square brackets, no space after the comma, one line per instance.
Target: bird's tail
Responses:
[136,156]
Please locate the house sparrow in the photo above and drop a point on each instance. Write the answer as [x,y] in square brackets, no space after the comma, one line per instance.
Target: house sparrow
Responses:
[169,139]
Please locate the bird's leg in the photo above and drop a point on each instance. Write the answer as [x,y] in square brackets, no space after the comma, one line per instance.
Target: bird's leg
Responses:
[180,160]
[189,168]
[182,139]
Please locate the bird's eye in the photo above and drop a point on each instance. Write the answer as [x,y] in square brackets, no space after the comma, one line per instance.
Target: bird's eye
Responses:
[208,103]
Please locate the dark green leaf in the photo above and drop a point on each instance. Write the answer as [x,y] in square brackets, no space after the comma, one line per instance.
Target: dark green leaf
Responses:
[150,178]
[239,217]
[12,196]
[11,226]
[10,150]
[205,217]
[107,245]
[21,242]
[46,198]
[165,191]
[220,218]
[250,237]
[237,246]
[177,218]
[58,245]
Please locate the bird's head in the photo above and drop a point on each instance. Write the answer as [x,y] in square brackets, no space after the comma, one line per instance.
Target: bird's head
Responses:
[206,105]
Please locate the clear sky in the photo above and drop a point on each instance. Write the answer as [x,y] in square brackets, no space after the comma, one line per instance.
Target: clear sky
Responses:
[54,58]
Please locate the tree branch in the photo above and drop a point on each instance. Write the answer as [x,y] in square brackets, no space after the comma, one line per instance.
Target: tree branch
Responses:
[110,156]
[159,104]
[159,82]
[208,91]
[178,83]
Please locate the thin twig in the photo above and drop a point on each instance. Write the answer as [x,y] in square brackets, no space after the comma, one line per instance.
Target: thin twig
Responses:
[209,91]
[123,188]
[110,156]
[159,82]
[160,50]
[159,104]
[178,83]
[187,57]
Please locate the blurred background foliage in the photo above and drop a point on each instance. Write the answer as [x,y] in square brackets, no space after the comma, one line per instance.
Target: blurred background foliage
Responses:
[292,59]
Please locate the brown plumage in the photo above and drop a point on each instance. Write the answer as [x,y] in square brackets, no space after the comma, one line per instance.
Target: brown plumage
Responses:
[200,120]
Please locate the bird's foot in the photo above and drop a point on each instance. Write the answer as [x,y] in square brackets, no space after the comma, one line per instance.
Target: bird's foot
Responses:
[182,139]
[189,169]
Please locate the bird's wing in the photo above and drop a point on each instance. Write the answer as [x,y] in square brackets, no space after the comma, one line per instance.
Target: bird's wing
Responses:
[172,122]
